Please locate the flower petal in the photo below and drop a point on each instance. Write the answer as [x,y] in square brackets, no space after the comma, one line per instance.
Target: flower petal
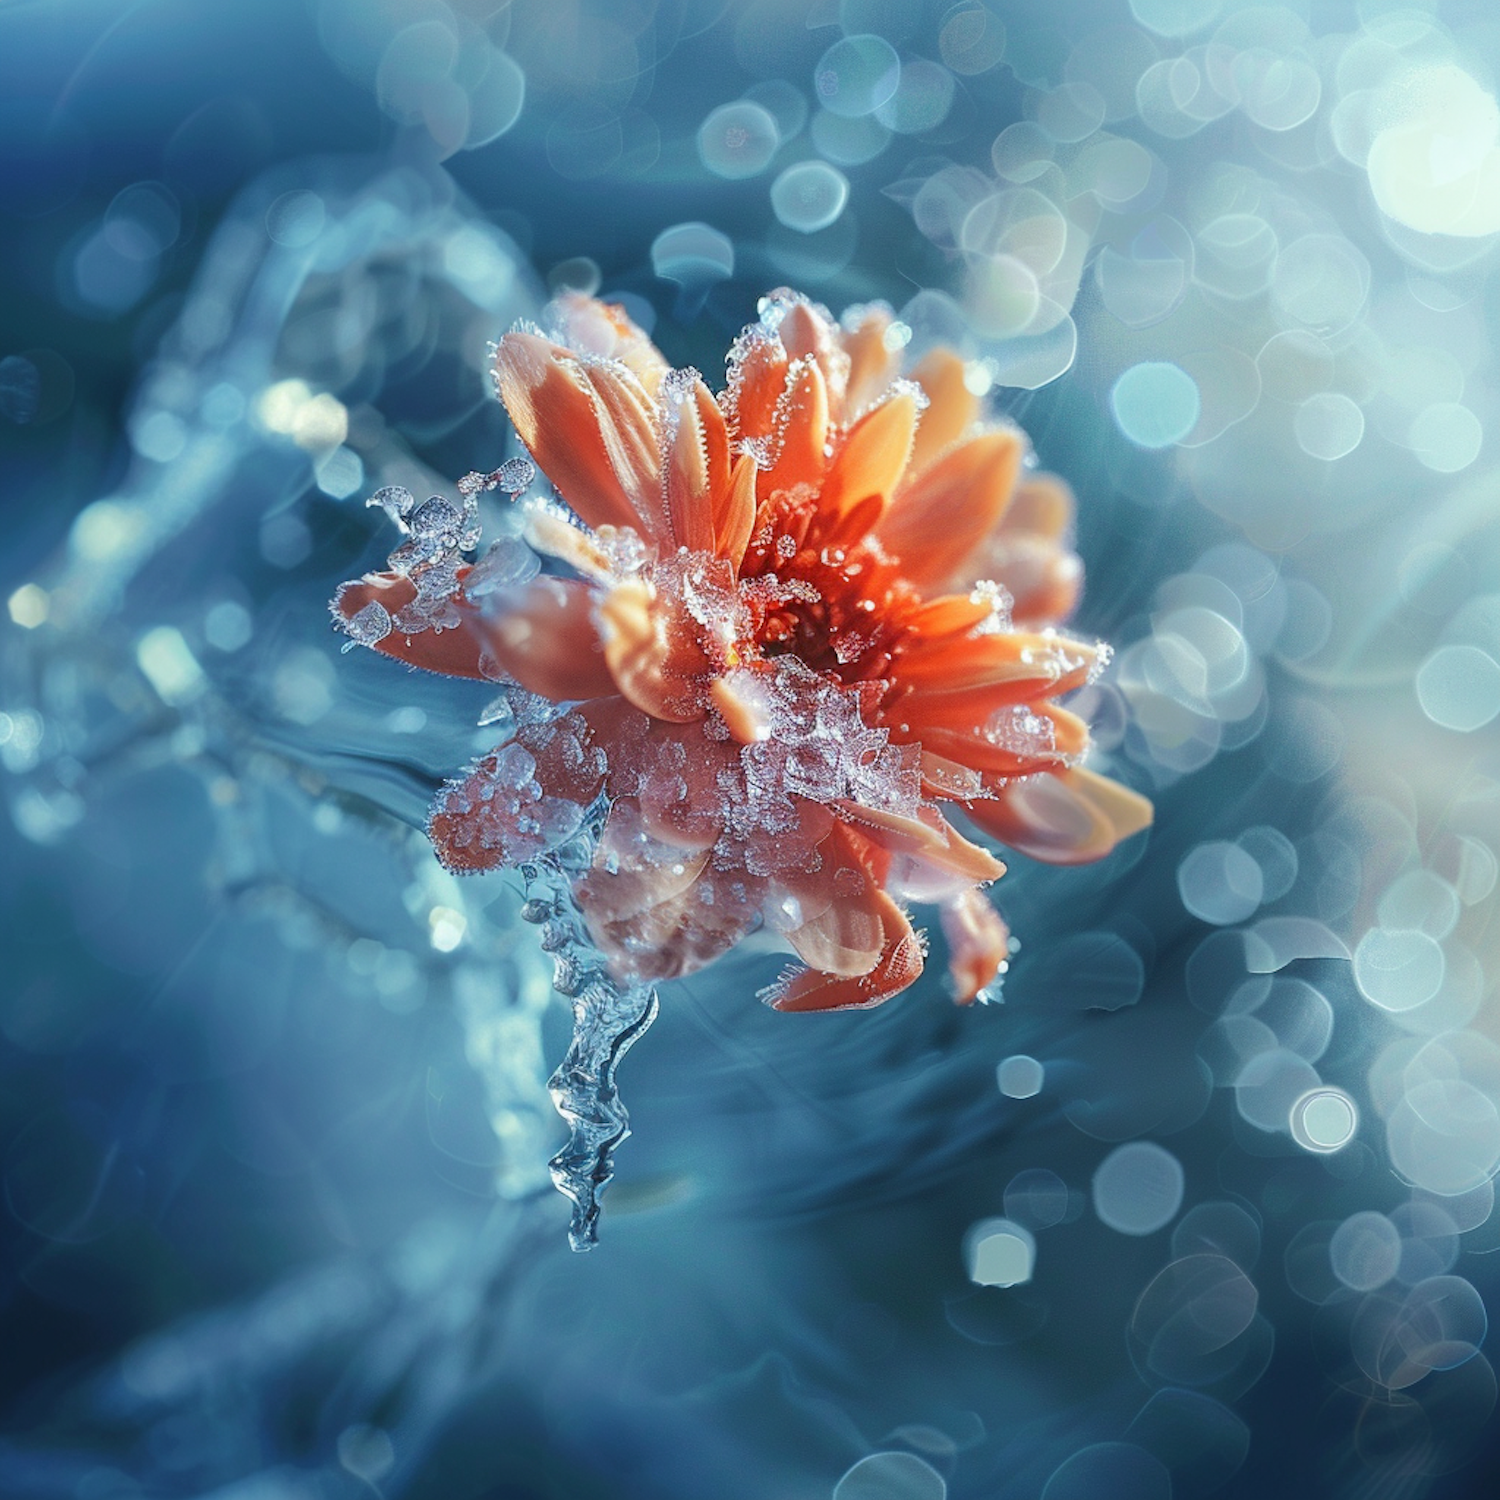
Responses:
[952,407]
[978,943]
[946,672]
[605,330]
[872,362]
[928,840]
[591,427]
[948,511]
[656,668]
[455,652]
[899,965]
[734,520]
[802,431]
[1065,818]
[757,377]
[546,640]
[871,460]
[697,462]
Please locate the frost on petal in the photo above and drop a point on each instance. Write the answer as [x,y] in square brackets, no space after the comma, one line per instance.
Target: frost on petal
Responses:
[520,800]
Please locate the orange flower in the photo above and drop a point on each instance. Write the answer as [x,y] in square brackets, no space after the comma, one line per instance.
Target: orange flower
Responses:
[795,618]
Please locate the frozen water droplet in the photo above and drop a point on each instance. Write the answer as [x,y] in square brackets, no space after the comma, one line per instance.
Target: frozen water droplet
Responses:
[367,626]
[515,475]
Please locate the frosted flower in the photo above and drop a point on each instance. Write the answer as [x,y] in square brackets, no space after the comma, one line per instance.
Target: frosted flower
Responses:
[785,625]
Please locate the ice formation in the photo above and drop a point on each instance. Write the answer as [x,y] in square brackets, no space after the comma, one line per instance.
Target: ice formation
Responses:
[776,630]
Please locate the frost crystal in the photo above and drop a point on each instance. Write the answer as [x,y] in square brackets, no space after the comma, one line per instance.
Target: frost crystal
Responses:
[368,626]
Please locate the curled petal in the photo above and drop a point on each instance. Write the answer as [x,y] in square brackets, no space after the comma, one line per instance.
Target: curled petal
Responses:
[590,426]
[953,505]
[847,936]
[1066,818]
[899,965]
[546,640]
[458,651]
[978,943]
[657,668]
[951,406]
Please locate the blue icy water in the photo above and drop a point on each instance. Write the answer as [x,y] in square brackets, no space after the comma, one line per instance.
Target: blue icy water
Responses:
[1205,1207]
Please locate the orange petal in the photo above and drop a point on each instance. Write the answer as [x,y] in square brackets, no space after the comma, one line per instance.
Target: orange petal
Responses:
[734,521]
[978,944]
[605,330]
[872,362]
[697,462]
[658,670]
[871,460]
[803,423]
[948,614]
[590,426]
[899,965]
[455,652]
[951,406]
[1066,818]
[1006,748]
[1042,504]
[958,668]
[757,377]
[953,505]
[548,643]
[929,839]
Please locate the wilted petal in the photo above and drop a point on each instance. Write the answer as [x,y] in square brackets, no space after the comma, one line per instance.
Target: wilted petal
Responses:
[1067,818]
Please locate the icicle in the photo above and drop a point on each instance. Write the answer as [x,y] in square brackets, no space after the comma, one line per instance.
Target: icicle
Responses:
[608,1018]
